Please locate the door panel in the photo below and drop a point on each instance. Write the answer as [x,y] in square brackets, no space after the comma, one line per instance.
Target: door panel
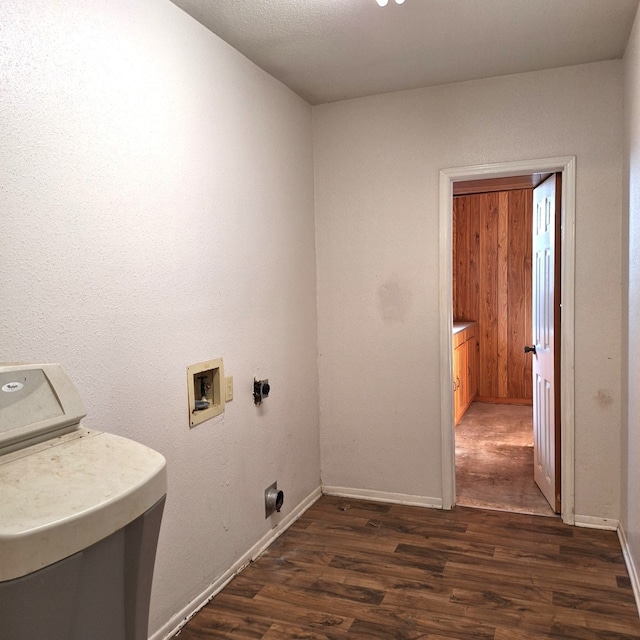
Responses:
[545,325]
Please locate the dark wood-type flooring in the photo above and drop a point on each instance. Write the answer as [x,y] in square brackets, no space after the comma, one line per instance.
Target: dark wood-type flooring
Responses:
[366,571]
[494,459]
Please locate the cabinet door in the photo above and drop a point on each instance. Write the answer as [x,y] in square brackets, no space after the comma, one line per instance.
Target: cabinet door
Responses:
[456,384]
[465,363]
[459,380]
[464,375]
[472,377]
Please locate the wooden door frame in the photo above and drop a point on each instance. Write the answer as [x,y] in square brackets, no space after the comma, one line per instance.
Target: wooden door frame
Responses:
[567,166]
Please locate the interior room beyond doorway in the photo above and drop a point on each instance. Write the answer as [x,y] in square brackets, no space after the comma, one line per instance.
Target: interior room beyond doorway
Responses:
[492,271]
[494,460]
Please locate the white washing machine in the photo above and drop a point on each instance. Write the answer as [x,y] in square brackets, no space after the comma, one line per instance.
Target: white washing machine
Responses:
[80,514]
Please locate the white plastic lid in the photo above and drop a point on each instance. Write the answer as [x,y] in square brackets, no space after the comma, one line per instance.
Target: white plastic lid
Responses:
[67,493]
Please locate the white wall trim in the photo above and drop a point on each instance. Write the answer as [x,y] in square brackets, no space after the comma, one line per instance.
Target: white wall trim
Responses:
[567,166]
[383,496]
[594,522]
[631,567]
[181,618]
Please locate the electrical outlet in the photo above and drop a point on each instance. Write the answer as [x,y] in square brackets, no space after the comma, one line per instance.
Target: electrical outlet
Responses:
[228,388]
[261,390]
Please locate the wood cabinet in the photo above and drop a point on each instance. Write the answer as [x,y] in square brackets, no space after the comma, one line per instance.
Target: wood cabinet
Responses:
[465,367]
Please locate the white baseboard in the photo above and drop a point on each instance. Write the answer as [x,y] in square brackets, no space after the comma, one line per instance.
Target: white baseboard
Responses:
[592,522]
[177,621]
[631,567]
[383,496]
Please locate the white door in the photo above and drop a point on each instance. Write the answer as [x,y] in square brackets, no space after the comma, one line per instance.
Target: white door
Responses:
[546,333]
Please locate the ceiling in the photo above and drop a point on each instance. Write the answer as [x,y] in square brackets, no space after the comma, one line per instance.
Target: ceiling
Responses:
[328,50]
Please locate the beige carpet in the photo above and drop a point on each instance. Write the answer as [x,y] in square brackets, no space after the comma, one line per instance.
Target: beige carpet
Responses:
[494,460]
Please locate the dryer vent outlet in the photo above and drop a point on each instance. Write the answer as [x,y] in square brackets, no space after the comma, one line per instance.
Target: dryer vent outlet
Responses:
[273,500]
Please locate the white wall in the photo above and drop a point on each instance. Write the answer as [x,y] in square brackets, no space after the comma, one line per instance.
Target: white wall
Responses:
[631,328]
[156,193]
[377,166]
[157,210]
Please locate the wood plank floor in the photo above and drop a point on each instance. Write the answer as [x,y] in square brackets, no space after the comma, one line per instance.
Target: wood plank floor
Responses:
[366,571]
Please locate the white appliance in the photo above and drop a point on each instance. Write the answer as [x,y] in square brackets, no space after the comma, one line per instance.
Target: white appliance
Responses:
[80,514]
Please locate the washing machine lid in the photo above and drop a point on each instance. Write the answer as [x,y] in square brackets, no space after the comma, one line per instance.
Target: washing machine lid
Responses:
[37,401]
[62,495]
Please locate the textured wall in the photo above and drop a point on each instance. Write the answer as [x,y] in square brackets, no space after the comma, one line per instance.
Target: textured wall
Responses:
[631,434]
[156,193]
[377,168]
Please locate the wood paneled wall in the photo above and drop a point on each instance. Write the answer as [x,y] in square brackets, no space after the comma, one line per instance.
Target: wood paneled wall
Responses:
[492,285]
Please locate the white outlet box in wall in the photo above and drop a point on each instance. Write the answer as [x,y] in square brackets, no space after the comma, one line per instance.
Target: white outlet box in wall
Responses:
[206,396]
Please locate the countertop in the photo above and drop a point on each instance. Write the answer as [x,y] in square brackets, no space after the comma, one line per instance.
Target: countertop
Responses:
[461,326]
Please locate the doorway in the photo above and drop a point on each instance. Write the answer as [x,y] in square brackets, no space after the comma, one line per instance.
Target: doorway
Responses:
[448,177]
[492,257]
